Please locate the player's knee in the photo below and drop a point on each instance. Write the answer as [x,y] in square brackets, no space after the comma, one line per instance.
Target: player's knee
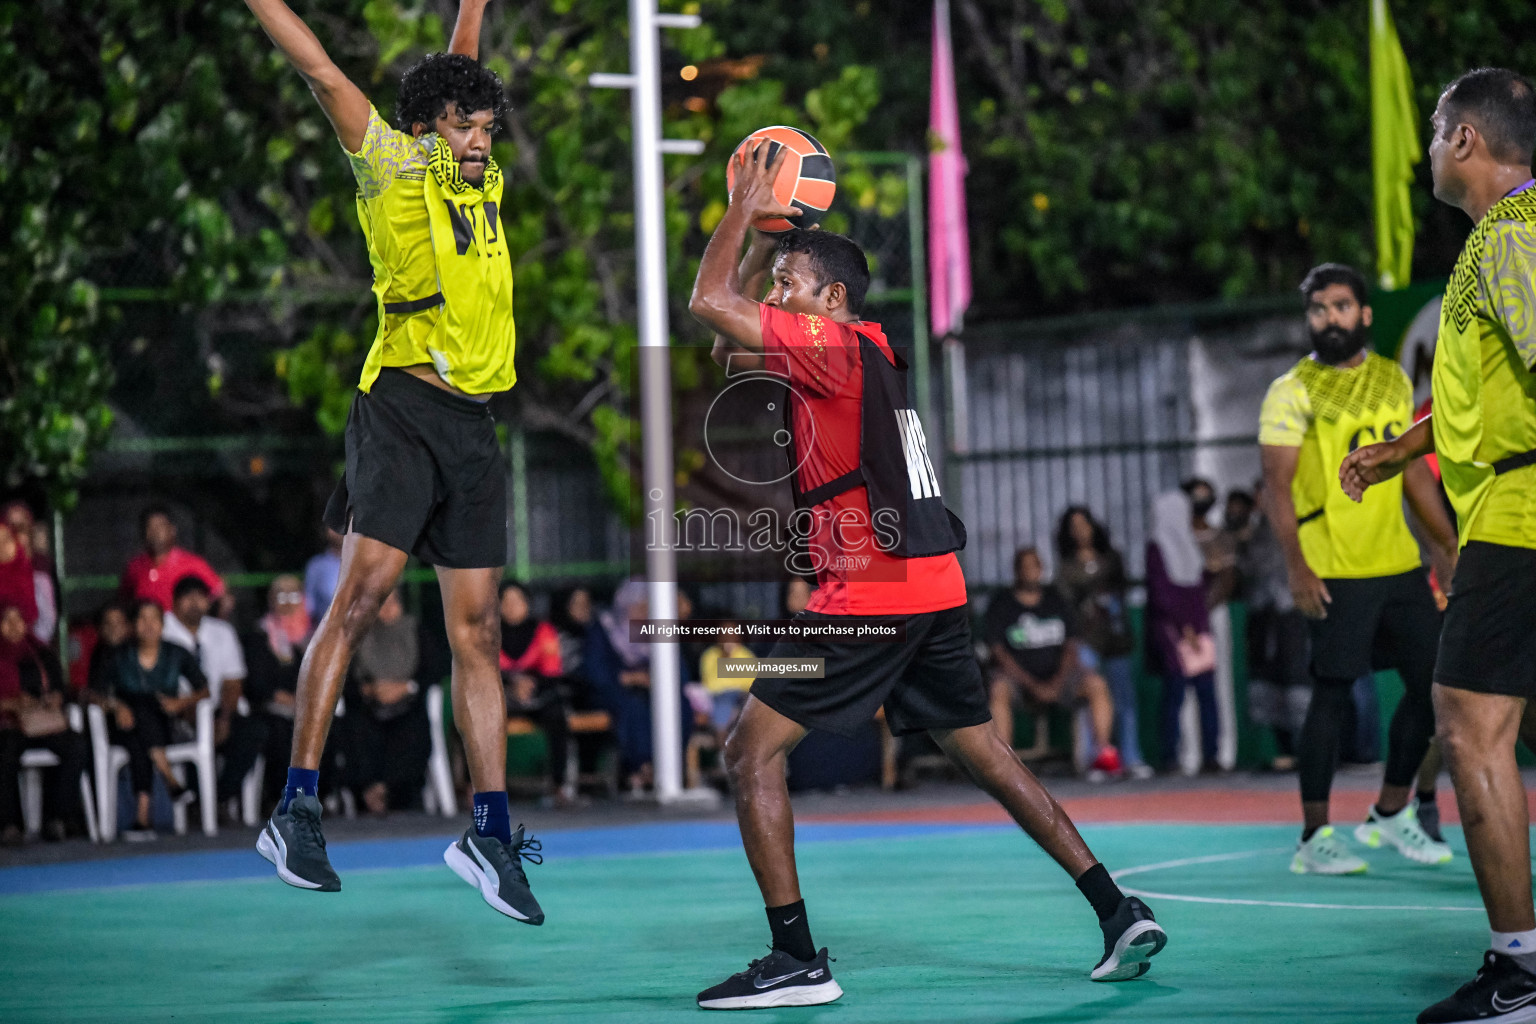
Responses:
[475,633]
[358,607]
[742,757]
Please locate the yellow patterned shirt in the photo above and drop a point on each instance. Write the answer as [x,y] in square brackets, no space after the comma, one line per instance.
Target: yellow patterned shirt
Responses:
[471,350]
[1328,412]
[1483,385]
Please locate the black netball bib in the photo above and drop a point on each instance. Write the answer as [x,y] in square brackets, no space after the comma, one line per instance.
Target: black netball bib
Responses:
[908,513]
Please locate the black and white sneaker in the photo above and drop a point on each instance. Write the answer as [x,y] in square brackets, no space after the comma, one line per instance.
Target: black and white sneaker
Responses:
[1131,938]
[776,980]
[496,869]
[295,845]
[1502,993]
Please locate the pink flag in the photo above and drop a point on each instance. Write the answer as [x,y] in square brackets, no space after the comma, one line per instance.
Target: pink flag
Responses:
[949,243]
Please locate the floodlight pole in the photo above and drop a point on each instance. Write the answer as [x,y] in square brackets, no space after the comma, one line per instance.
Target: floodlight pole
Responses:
[644,81]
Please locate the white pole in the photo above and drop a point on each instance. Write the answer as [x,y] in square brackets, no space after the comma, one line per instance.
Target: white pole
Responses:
[644,81]
[655,391]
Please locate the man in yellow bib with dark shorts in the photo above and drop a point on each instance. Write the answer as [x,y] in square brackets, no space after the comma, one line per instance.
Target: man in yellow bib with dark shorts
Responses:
[1484,431]
[423,469]
[1354,569]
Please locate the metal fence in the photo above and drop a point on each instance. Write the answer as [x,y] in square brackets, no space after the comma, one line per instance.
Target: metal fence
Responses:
[1104,411]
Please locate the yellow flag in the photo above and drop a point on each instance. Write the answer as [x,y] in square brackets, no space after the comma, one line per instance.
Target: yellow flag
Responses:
[1394,149]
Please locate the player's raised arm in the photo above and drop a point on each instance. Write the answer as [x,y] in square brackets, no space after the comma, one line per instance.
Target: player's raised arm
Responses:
[343,102]
[466,30]
[752,275]
[718,302]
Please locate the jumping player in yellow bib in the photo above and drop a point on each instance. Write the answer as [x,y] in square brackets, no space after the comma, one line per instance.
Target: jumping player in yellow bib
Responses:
[1484,431]
[423,468]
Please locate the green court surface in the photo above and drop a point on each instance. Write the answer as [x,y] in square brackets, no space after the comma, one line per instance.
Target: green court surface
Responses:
[961,925]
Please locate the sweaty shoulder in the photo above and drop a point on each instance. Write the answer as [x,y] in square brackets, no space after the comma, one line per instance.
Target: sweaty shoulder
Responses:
[1508,283]
[1286,414]
[386,154]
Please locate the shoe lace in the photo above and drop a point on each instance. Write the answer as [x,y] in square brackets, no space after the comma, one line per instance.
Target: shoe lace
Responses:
[530,850]
[751,967]
[306,827]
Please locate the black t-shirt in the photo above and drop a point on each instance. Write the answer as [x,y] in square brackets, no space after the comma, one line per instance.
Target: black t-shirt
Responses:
[1036,637]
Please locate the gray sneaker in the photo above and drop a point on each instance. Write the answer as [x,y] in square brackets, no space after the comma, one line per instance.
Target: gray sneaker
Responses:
[294,844]
[496,869]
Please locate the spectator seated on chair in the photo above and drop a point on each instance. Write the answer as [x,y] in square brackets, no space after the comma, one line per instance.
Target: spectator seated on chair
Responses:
[1030,634]
[532,672]
[273,653]
[238,736]
[727,694]
[144,701]
[389,737]
[618,674]
[113,631]
[32,717]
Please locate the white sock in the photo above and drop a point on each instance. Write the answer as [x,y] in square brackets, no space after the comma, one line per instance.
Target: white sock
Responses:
[1514,943]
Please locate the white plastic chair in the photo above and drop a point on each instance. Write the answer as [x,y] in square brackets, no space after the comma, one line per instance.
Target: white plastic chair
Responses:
[32,764]
[110,760]
[250,792]
[438,795]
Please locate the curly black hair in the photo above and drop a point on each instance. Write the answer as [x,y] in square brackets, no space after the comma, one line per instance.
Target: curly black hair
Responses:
[439,79]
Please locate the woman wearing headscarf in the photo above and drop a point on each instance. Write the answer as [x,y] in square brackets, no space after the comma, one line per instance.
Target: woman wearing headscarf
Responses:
[18,588]
[618,671]
[531,671]
[570,612]
[1178,632]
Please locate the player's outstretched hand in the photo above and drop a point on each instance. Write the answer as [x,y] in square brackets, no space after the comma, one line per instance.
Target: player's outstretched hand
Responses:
[754,184]
[1371,464]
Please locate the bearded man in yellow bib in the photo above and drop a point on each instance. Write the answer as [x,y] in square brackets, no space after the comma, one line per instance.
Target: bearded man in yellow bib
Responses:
[1354,569]
[423,468]
[1484,431]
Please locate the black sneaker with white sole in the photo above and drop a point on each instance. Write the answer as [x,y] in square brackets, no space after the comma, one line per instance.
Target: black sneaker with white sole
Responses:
[496,869]
[1502,993]
[776,980]
[295,845]
[1131,938]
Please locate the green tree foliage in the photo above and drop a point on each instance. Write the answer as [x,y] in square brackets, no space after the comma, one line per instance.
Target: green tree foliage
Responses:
[1126,152]
[1121,153]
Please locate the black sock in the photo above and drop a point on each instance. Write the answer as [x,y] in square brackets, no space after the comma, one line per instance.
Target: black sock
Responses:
[1308,833]
[791,931]
[1426,797]
[1100,890]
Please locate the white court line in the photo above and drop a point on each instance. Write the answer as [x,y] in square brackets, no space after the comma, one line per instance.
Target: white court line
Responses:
[1229,901]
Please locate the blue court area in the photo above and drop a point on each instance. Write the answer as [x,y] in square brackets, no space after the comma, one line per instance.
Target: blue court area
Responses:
[927,922]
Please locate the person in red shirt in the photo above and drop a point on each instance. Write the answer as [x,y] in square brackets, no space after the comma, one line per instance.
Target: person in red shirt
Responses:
[808,326]
[151,575]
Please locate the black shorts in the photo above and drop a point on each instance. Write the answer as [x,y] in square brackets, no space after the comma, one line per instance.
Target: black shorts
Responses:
[424,475]
[930,680]
[1375,623]
[1489,642]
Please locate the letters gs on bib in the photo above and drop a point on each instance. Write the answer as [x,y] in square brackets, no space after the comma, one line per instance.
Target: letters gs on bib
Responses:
[476,222]
[1367,435]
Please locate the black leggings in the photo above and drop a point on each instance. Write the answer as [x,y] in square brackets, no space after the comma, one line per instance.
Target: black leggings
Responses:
[1408,736]
[151,730]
